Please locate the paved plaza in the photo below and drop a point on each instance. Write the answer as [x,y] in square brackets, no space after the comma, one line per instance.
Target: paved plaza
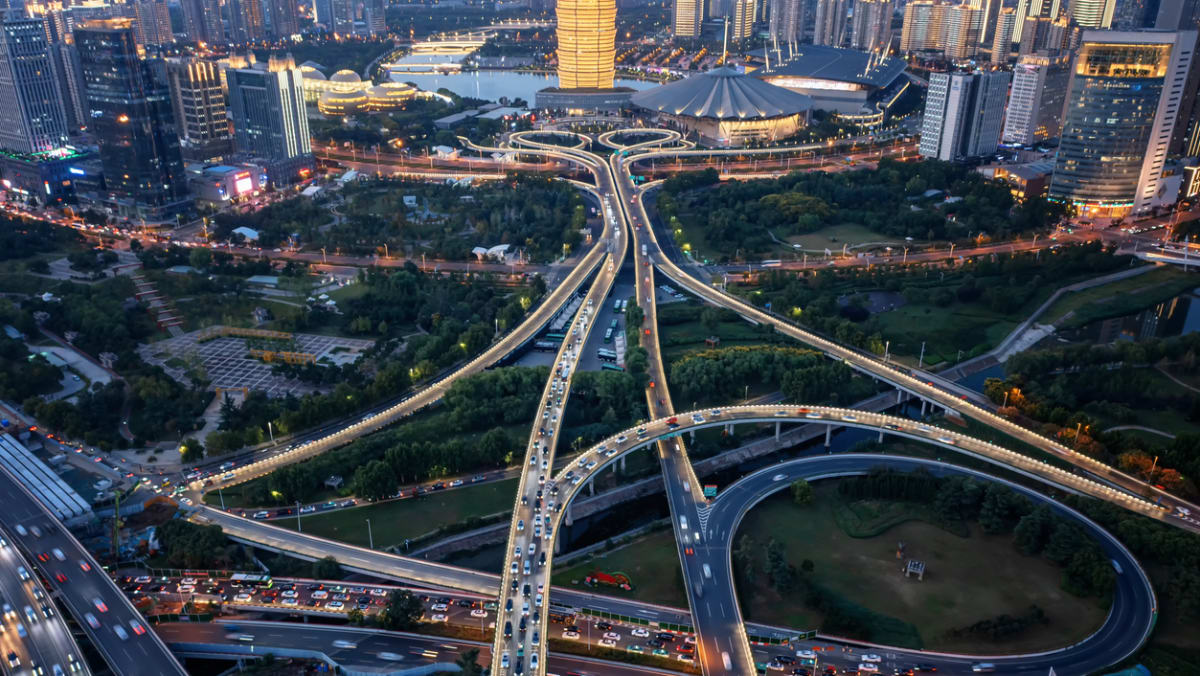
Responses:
[228,363]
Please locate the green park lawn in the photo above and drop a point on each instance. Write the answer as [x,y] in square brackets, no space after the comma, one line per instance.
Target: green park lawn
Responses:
[392,522]
[967,579]
[650,561]
[835,236]
[944,330]
[1119,298]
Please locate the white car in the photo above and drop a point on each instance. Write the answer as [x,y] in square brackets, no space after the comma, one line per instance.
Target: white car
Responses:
[612,636]
[439,607]
[479,612]
[639,632]
[806,654]
[868,668]
[573,635]
[608,643]
[871,658]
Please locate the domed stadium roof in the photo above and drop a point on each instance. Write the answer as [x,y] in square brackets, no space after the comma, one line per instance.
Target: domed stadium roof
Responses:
[389,96]
[342,102]
[311,73]
[346,76]
[723,93]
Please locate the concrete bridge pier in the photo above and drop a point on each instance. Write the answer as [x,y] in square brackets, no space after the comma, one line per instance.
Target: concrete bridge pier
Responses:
[828,433]
[570,518]
[622,464]
[881,436]
[591,488]
[923,405]
[729,429]
[692,438]
[777,426]
[899,396]
[558,546]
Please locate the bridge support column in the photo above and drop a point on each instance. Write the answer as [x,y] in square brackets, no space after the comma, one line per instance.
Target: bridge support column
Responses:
[777,426]
[923,405]
[828,434]
[899,396]
[569,520]
[692,437]
[881,436]
[591,488]
[558,546]
[622,465]
[729,429]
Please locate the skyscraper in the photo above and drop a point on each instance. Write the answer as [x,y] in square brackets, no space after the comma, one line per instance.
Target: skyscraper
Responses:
[1123,103]
[32,116]
[687,16]
[1006,23]
[198,101]
[153,23]
[1092,13]
[1132,15]
[961,31]
[786,23]
[1044,36]
[132,122]
[202,21]
[270,122]
[743,19]
[963,112]
[587,35]
[285,18]
[1046,9]
[1035,104]
[924,26]
[246,23]
[829,27]
[872,25]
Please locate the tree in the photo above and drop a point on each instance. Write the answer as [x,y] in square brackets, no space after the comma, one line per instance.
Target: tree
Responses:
[468,663]
[710,317]
[802,492]
[402,611]
[1032,530]
[200,258]
[191,450]
[326,568]
[374,481]
[355,617]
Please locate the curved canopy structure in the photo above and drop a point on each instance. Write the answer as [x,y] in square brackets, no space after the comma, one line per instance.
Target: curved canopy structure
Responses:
[723,94]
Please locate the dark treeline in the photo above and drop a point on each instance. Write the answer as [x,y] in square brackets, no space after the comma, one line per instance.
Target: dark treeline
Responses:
[720,375]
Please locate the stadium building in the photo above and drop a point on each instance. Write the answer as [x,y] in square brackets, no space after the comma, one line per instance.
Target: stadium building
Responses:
[845,81]
[727,108]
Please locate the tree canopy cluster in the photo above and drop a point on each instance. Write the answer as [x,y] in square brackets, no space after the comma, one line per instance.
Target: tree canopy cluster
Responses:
[720,375]
[889,200]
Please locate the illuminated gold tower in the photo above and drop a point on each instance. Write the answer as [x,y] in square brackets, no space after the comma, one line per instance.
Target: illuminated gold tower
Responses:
[587,37]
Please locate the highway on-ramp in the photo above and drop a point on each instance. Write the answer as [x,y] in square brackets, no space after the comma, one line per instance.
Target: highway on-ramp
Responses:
[1128,625]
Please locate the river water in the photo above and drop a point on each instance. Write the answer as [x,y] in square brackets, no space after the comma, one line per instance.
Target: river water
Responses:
[491,85]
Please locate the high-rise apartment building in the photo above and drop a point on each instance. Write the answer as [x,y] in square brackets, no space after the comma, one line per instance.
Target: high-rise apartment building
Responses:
[1006,23]
[1092,13]
[1045,36]
[786,23]
[960,38]
[153,22]
[872,25]
[1035,103]
[198,101]
[246,21]
[924,26]
[270,122]
[963,113]
[687,16]
[132,122]
[32,116]
[829,26]
[744,12]
[587,37]
[285,18]
[1132,15]
[202,21]
[1122,105]
[1046,9]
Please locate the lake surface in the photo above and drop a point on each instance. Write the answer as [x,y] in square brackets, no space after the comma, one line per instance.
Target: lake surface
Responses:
[1175,317]
[490,85]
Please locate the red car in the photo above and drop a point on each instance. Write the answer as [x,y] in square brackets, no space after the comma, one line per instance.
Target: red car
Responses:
[60,577]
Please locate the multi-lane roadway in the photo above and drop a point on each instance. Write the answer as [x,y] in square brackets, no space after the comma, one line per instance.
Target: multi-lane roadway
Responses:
[108,618]
[33,635]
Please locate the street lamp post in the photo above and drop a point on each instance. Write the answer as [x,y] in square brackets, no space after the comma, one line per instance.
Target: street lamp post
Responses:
[298,528]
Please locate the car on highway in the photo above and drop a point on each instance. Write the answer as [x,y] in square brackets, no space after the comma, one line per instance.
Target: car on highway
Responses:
[120,632]
[13,660]
[640,632]
[100,605]
[871,657]
[91,620]
[572,635]
[612,636]
[137,627]
[478,612]
[22,573]
[608,643]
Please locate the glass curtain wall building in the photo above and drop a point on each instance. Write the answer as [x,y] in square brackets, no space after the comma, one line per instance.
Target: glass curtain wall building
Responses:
[587,37]
[1125,94]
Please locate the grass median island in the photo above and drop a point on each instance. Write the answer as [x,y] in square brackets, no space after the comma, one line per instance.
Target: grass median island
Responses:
[1118,298]
[968,579]
[393,521]
[650,561]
